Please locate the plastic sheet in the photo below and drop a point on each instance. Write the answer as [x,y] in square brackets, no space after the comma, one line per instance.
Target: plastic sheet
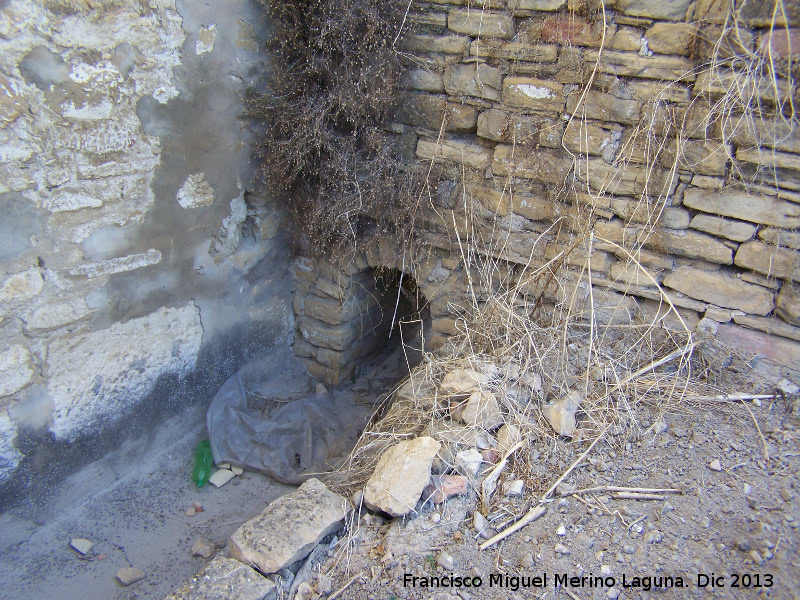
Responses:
[291,446]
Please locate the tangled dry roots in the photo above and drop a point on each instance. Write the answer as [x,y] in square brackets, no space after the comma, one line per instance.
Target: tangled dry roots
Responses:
[332,89]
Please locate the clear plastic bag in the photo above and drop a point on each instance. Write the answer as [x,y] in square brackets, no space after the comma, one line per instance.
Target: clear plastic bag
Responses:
[291,446]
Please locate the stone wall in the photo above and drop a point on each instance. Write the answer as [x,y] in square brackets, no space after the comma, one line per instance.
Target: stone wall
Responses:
[555,124]
[138,265]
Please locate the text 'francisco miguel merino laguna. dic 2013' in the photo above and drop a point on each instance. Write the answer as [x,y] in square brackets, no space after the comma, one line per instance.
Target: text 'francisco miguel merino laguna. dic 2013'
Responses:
[515,582]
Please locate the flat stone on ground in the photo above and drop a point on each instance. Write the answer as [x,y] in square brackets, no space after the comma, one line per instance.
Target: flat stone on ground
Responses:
[289,528]
[129,575]
[226,578]
[82,545]
[402,473]
[221,477]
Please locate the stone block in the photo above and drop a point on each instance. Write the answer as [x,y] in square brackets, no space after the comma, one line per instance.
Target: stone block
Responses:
[538,5]
[481,410]
[772,261]
[400,476]
[750,132]
[513,51]
[321,334]
[628,64]
[303,349]
[627,39]
[334,312]
[56,314]
[22,286]
[422,80]
[539,165]
[604,107]
[458,152]
[787,304]
[15,369]
[561,413]
[226,578]
[769,167]
[722,82]
[461,118]
[768,325]
[743,205]
[666,10]
[496,201]
[478,79]
[670,38]
[443,44]
[624,180]
[635,274]
[600,262]
[533,208]
[327,375]
[721,227]
[690,244]
[479,23]
[572,30]
[533,94]
[780,237]
[587,138]
[289,528]
[642,212]
[721,290]
[699,156]
[513,128]
[770,355]
[421,110]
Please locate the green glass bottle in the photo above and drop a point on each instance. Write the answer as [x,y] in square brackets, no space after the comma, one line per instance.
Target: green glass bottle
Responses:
[202,463]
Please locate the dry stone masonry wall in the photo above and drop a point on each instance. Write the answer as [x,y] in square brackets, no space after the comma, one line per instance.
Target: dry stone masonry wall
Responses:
[601,136]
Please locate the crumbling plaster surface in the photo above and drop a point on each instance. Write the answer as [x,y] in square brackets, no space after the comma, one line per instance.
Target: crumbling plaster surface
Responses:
[140,263]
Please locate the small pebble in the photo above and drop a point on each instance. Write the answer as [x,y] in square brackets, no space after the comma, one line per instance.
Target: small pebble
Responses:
[561,530]
[198,506]
[562,549]
[324,585]
[82,545]
[653,537]
[445,561]
[237,470]
[612,593]
[436,517]
[202,547]
[221,477]
[756,557]
[304,591]
[190,512]
[628,549]
[715,465]
[527,561]
[786,494]
[102,556]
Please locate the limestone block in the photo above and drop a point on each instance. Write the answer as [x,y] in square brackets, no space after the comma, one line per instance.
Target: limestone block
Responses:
[769,325]
[634,274]
[533,208]
[787,304]
[463,382]
[572,30]
[444,44]
[302,348]
[113,266]
[670,38]
[22,286]
[747,206]
[499,202]
[513,51]
[561,413]
[667,10]
[641,212]
[609,307]
[721,227]
[543,5]
[719,83]
[57,314]
[598,261]
[540,165]
[627,39]
[605,107]
[747,132]
[478,79]
[481,410]
[624,180]
[721,290]
[423,80]
[534,94]
[15,369]
[628,64]
[478,23]
[458,152]
[769,260]
[332,311]
[461,118]
[769,167]
[780,237]
[196,191]
[289,528]
[699,156]
[327,375]
[690,244]
[226,578]
[513,128]
[421,110]
[587,138]
[772,356]
[400,476]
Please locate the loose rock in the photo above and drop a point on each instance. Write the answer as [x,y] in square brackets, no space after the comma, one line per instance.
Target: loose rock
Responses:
[561,414]
[225,578]
[470,461]
[463,382]
[482,410]
[221,477]
[82,545]
[715,465]
[129,575]
[445,561]
[289,528]
[443,487]
[190,512]
[562,549]
[202,547]
[401,475]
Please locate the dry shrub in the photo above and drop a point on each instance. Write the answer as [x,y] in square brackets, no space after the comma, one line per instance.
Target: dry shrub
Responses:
[334,73]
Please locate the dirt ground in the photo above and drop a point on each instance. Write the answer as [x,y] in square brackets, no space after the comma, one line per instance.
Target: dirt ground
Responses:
[728,531]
